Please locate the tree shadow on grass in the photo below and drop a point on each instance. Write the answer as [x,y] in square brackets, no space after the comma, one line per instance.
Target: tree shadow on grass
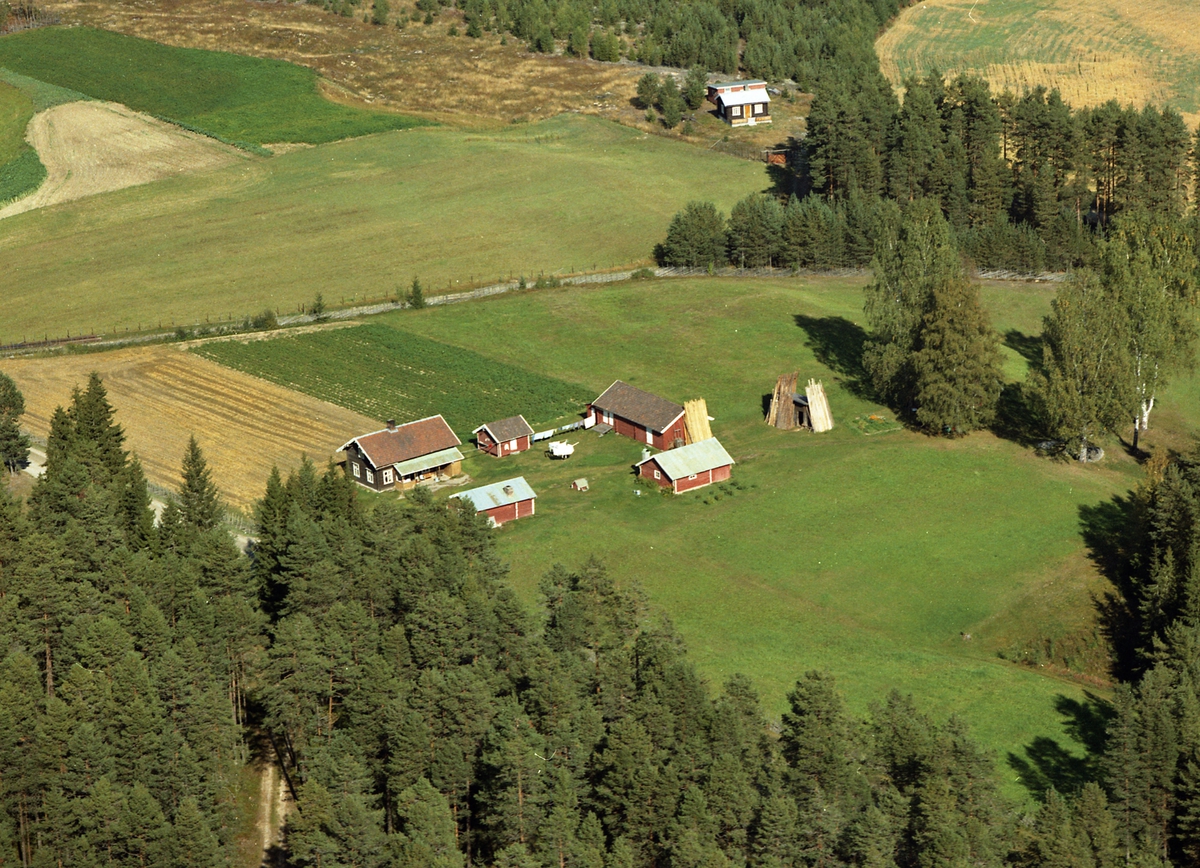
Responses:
[1029,347]
[1016,415]
[837,344]
[1114,533]
[1047,763]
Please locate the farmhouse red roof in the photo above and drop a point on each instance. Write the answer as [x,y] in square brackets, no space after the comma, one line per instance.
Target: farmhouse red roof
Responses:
[639,407]
[507,429]
[404,442]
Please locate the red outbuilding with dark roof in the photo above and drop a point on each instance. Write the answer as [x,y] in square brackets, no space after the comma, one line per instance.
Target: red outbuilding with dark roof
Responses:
[641,415]
[504,437]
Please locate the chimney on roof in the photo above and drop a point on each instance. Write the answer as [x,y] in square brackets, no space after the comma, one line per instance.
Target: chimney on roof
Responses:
[508,489]
[391,423]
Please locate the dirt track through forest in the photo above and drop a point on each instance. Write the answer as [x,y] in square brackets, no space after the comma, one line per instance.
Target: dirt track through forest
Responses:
[98,147]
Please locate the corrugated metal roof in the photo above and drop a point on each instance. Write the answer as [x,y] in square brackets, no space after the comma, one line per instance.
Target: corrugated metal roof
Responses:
[691,459]
[744,97]
[498,494]
[428,462]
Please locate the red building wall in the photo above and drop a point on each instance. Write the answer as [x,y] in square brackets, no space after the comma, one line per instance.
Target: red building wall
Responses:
[708,477]
[502,514]
[491,447]
[665,440]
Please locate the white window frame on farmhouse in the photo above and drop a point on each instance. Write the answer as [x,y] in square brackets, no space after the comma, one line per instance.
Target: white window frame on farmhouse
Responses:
[693,476]
[354,467]
[649,437]
[370,477]
[735,111]
[657,475]
[387,476]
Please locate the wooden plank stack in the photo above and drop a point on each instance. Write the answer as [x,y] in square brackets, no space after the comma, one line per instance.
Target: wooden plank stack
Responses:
[818,406]
[695,420]
[783,412]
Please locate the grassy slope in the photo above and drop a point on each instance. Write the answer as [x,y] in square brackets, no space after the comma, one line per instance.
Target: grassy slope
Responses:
[867,556]
[20,169]
[239,99]
[352,219]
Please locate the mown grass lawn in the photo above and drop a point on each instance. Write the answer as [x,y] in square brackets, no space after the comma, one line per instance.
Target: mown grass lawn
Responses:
[20,168]
[355,219]
[869,556]
[240,99]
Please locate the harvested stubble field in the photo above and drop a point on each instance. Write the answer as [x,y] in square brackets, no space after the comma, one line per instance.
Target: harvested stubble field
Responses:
[163,394]
[389,374]
[352,220]
[840,552]
[1133,51]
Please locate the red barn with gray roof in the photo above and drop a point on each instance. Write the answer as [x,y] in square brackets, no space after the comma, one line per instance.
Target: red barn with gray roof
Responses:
[504,437]
[405,455]
[641,415]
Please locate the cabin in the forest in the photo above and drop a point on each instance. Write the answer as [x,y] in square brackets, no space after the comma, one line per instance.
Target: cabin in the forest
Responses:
[634,413]
[741,103]
[504,437]
[401,456]
[688,467]
[502,501]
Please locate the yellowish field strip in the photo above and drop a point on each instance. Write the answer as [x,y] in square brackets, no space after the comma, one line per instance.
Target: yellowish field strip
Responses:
[1133,51]
[163,394]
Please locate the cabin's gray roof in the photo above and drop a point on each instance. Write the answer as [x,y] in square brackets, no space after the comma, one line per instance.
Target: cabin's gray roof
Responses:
[640,407]
[691,459]
[744,97]
[507,429]
[504,493]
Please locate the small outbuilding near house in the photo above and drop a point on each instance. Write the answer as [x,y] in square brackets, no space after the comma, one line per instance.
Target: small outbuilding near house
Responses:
[504,437]
[741,103]
[641,415]
[502,501]
[402,456]
[688,467]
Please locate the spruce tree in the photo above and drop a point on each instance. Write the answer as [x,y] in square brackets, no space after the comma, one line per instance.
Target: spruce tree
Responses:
[695,238]
[957,366]
[14,445]
[199,500]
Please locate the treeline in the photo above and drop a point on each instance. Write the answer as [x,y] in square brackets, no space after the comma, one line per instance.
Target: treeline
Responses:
[1026,184]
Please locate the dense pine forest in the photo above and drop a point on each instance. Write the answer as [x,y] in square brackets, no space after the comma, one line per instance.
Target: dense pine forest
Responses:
[424,717]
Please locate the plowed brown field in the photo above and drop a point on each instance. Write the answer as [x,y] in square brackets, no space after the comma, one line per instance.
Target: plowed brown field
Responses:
[162,395]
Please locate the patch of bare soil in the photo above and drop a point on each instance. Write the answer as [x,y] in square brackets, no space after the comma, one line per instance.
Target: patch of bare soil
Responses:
[96,147]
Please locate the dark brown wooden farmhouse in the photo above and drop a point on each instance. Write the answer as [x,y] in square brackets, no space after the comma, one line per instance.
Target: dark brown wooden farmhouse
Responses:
[505,437]
[399,457]
[688,467]
[645,417]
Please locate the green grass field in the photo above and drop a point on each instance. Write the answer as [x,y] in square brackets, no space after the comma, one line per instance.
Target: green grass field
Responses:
[238,99]
[20,169]
[386,374]
[869,556]
[355,219]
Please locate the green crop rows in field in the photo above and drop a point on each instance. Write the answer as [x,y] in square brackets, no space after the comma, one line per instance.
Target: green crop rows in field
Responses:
[389,374]
[238,99]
